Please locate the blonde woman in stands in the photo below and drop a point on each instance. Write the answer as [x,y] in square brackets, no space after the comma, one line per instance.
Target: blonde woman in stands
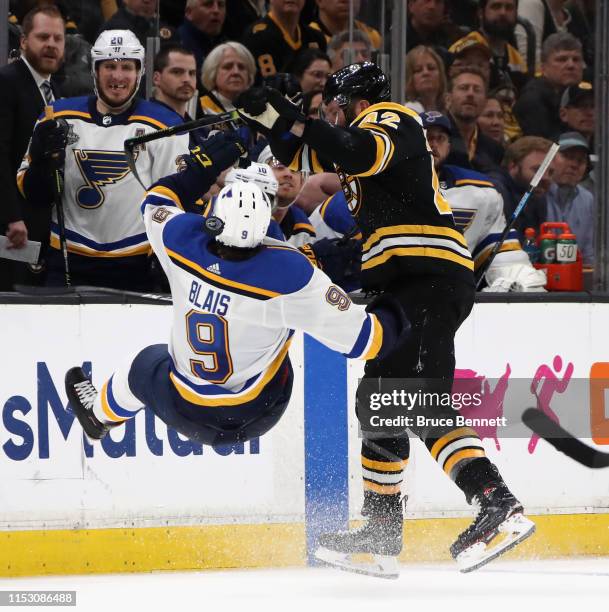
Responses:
[425,80]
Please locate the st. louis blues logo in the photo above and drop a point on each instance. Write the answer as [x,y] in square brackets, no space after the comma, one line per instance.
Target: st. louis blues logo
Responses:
[463,217]
[98,168]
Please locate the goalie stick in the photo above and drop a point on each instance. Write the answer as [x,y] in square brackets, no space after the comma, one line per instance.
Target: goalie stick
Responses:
[131,143]
[562,440]
[545,164]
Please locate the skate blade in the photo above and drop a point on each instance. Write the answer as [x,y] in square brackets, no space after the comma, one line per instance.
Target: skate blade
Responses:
[382,566]
[510,533]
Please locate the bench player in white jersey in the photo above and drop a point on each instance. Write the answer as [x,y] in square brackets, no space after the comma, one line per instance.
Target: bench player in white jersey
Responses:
[106,240]
[237,296]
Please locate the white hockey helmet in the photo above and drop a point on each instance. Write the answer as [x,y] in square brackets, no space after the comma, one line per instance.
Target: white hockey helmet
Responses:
[259,174]
[117,45]
[245,211]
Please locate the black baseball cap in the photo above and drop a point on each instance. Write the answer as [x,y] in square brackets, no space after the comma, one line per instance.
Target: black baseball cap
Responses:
[575,93]
[435,119]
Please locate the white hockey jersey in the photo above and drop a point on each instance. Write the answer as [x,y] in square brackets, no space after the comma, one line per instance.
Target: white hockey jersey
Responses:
[233,320]
[101,196]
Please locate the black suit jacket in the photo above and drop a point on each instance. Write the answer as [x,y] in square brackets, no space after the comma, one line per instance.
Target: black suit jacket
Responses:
[20,105]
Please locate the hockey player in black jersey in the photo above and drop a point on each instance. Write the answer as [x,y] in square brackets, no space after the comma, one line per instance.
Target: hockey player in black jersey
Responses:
[412,251]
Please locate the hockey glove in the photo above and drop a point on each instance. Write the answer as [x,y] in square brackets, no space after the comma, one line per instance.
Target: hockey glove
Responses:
[217,153]
[267,111]
[49,141]
[392,318]
[340,259]
[515,277]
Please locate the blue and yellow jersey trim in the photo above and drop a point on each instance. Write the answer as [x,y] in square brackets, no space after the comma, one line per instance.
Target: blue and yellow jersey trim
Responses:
[82,245]
[209,107]
[416,241]
[158,125]
[474,182]
[484,248]
[214,396]
[369,340]
[112,409]
[160,195]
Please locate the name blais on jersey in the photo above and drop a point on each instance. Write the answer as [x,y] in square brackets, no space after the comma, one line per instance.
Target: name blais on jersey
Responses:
[208,300]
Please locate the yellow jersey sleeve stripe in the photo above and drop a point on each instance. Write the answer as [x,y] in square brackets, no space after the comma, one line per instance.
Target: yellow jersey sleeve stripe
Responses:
[466,453]
[304,226]
[417,252]
[208,104]
[384,466]
[252,393]
[384,150]
[316,166]
[72,113]
[219,279]
[418,230]
[377,339]
[20,179]
[167,193]
[440,443]
[324,207]
[296,164]
[478,182]
[145,119]
[484,254]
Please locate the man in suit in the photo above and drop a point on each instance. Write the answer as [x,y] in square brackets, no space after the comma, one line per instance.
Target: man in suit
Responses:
[25,87]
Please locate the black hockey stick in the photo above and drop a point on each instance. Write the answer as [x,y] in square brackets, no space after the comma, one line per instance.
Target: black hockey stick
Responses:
[57,195]
[562,440]
[508,226]
[131,143]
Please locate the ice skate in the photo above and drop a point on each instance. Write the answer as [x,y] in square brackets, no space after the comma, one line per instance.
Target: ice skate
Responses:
[499,526]
[380,537]
[82,394]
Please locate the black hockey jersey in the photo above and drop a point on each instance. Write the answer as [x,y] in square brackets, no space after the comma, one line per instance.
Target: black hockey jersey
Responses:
[387,173]
[273,47]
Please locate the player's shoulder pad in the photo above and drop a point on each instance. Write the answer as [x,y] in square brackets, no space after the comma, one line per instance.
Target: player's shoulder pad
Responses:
[387,108]
[465,176]
[155,115]
[71,108]
[291,269]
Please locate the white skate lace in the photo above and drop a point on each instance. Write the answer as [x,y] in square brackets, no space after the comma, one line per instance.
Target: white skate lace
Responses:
[86,393]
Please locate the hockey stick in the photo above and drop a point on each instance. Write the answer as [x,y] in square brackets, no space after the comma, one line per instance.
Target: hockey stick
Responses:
[508,226]
[131,143]
[57,194]
[562,440]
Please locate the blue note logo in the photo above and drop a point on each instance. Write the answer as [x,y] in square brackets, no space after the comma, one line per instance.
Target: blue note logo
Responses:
[98,169]
[463,217]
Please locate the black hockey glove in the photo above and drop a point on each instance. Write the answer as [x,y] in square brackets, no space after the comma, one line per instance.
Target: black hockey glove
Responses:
[396,326]
[340,259]
[216,153]
[266,110]
[49,141]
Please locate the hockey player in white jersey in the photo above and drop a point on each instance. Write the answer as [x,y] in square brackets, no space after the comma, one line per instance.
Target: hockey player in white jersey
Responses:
[225,375]
[106,240]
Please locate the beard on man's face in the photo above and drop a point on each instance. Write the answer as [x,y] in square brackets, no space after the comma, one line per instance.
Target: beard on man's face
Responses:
[499,29]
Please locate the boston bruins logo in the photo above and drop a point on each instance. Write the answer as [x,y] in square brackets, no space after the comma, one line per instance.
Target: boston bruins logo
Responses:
[352,190]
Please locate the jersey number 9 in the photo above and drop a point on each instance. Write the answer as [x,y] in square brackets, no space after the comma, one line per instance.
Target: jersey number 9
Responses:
[207,335]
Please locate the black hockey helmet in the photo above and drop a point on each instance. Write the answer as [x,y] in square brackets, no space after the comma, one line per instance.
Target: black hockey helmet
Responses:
[364,80]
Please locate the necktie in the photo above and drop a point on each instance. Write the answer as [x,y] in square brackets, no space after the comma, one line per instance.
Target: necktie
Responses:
[47,92]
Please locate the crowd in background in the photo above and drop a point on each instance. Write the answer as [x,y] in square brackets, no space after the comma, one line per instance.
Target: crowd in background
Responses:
[511,77]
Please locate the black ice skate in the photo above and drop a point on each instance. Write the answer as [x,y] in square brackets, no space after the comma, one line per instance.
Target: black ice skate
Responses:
[499,526]
[380,536]
[82,394]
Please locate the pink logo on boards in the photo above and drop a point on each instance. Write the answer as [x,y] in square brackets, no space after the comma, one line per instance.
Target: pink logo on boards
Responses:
[543,386]
[468,381]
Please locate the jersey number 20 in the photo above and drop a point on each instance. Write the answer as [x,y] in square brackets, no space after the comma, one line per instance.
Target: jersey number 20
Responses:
[207,335]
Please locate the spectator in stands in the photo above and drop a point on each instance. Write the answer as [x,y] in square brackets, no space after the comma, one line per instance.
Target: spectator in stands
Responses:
[567,200]
[276,40]
[471,50]
[174,78]
[427,25]
[577,110]
[497,24]
[537,108]
[312,68]
[505,92]
[311,101]
[26,86]
[201,29]
[521,161]
[333,18]
[227,71]
[491,120]
[465,101]
[344,49]
[139,16]
[547,18]
[425,80]
[240,14]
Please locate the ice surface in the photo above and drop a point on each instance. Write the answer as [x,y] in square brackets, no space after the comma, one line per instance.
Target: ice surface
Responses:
[576,585]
